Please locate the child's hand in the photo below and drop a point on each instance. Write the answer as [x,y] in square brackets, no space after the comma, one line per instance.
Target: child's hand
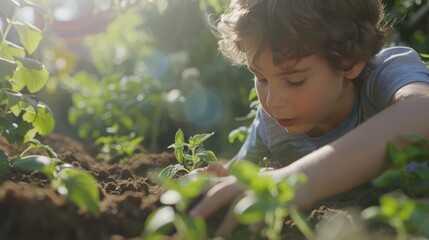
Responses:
[219,195]
[215,168]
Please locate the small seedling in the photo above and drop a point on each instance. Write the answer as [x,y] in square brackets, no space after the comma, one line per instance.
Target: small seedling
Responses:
[79,186]
[190,155]
[173,216]
[407,216]
[270,202]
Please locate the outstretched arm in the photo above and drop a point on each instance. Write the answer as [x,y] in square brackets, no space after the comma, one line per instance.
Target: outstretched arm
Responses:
[360,155]
[347,162]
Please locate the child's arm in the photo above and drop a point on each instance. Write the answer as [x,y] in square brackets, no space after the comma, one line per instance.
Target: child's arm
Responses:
[360,155]
[348,162]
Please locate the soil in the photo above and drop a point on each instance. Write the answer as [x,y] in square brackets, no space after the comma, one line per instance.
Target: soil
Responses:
[30,209]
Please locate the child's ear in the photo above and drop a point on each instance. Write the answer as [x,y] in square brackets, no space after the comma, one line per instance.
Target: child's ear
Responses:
[355,71]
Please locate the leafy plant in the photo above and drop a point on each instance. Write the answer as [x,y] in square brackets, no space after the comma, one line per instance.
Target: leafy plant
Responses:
[406,215]
[270,202]
[122,90]
[22,117]
[412,181]
[190,155]
[163,221]
[117,146]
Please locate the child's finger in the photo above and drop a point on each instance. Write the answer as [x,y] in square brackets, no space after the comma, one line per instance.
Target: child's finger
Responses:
[218,169]
[219,195]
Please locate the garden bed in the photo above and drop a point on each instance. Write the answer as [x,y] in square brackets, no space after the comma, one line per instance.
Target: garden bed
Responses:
[30,209]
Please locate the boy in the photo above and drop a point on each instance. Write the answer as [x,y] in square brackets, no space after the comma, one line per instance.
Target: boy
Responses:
[330,97]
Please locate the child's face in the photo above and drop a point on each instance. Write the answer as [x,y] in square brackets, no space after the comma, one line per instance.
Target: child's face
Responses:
[306,97]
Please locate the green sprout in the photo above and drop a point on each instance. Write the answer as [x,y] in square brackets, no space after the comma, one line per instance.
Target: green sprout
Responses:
[270,202]
[173,216]
[190,155]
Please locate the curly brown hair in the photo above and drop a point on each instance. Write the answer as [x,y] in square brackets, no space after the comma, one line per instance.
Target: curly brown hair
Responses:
[342,31]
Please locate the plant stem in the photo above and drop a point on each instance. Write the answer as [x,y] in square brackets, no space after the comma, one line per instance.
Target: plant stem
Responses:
[300,222]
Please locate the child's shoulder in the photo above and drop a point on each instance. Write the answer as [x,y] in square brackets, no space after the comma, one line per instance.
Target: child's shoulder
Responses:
[397,53]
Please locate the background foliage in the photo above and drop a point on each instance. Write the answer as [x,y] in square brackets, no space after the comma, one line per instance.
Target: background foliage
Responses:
[140,70]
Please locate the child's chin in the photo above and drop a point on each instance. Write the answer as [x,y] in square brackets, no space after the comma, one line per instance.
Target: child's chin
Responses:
[295,132]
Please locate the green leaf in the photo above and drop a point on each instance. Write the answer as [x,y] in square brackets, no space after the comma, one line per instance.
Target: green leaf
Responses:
[4,163]
[239,134]
[13,99]
[193,185]
[82,189]
[7,68]
[170,197]
[29,63]
[250,210]
[190,228]
[33,163]
[44,122]
[158,222]
[7,7]
[34,80]
[178,146]
[30,114]
[178,153]
[422,173]
[16,133]
[171,170]
[389,205]
[245,172]
[398,157]
[29,35]
[207,156]
[197,139]
[386,178]
[372,212]
[9,50]
[179,138]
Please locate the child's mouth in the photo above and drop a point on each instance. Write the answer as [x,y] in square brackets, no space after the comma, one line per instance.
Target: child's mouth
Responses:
[286,122]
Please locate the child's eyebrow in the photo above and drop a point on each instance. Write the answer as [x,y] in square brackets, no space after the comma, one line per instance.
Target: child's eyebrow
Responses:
[285,71]
[288,71]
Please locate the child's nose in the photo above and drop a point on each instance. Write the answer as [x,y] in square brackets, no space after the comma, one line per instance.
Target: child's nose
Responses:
[276,98]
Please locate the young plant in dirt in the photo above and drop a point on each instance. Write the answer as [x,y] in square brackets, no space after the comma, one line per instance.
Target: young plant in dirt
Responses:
[79,186]
[408,216]
[173,217]
[117,147]
[270,202]
[409,167]
[22,117]
[190,155]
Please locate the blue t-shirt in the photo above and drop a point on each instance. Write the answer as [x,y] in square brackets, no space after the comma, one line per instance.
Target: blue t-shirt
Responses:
[391,69]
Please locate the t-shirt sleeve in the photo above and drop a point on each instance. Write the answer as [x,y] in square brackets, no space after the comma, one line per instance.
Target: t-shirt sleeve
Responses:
[394,68]
[254,149]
